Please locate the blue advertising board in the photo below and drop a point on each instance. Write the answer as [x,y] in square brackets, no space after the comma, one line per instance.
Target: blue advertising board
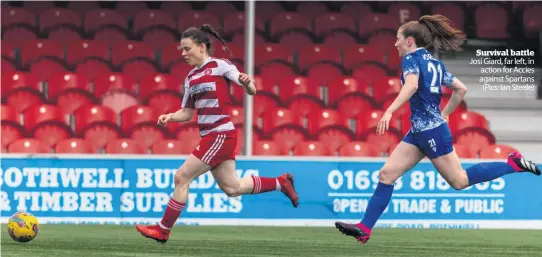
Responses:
[130,189]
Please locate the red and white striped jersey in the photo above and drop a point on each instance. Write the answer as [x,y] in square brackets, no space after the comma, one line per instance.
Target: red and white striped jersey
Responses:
[206,89]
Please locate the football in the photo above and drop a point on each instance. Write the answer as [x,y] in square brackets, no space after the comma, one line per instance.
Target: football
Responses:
[23,227]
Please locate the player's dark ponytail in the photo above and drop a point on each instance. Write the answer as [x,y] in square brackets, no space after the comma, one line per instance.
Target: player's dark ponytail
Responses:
[443,35]
[201,36]
[209,29]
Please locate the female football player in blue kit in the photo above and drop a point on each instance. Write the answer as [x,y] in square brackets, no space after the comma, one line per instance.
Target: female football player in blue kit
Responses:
[422,77]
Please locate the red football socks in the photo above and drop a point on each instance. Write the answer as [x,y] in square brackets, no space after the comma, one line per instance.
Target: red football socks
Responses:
[262,185]
[173,211]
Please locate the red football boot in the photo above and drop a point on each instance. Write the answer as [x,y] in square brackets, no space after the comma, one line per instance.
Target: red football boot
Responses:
[286,182]
[154,232]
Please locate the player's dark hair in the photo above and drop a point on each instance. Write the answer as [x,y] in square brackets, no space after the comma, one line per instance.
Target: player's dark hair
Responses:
[201,36]
[434,31]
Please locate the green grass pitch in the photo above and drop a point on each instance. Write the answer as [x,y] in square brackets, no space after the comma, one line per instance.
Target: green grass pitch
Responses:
[112,241]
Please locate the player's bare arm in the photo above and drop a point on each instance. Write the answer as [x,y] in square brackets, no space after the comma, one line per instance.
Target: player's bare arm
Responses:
[411,85]
[459,92]
[248,83]
[182,115]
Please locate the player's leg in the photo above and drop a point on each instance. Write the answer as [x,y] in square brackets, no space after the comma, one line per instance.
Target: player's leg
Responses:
[226,178]
[402,159]
[439,149]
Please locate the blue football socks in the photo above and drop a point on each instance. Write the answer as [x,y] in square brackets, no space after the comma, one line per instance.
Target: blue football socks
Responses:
[487,171]
[378,203]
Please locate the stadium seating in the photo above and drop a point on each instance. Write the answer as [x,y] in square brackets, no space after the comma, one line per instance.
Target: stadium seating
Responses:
[89,79]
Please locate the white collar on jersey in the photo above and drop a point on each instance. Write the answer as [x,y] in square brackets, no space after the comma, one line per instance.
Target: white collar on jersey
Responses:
[419,48]
[205,62]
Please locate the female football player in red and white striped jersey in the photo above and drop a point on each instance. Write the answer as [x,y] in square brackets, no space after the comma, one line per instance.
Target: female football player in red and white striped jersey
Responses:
[206,91]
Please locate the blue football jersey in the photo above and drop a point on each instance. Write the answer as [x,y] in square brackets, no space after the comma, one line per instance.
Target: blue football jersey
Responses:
[425,103]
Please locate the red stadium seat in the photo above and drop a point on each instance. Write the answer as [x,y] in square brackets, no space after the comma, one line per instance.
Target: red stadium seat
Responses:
[234,22]
[180,70]
[138,69]
[93,68]
[7,50]
[372,22]
[384,41]
[168,146]
[130,9]
[330,22]
[267,148]
[358,149]
[95,19]
[47,123]
[58,16]
[474,139]
[10,127]
[61,82]
[404,12]
[256,135]
[145,19]
[153,83]
[325,118]
[16,15]
[175,9]
[137,115]
[324,72]
[286,21]
[368,121]
[280,117]
[312,10]
[165,102]
[369,73]
[303,104]
[97,124]
[334,137]
[119,101]
[43,68]
[195,19]
[311,148]
[8,65]
[108,82]
[464,151]
[316,54]
[356,10]
[296,40]
[358,54]
[220,9]
[19,35]
[497,151]
[345,86]
[110,36]
[294,86]
[127,50]
[33,50]
[453,12]
[264,103]
[275,72]
[75,146]
[189,135]
[79,50]
[20,100]
[158,38]
[288,137]
[83,7]
[384,143]
[386,87]
[340,39]
[124,146]
[64,35]
[267,10]
[491,21]
[28,145]
[269,52]
[14,81]
[172,53]
[467,120]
